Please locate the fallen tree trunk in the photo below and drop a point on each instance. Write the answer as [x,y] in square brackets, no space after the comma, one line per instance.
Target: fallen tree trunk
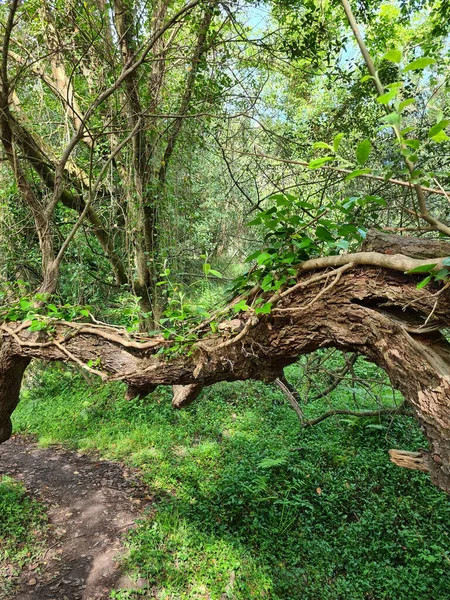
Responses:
[375,311]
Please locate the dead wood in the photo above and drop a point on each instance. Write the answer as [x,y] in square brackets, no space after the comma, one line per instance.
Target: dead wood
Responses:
[417,461]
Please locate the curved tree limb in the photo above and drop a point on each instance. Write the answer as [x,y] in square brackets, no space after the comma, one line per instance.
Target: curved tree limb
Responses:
[366,311]
[349,319]
[407,184]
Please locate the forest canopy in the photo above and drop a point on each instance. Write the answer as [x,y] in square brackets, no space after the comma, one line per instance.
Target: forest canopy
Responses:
[207,191]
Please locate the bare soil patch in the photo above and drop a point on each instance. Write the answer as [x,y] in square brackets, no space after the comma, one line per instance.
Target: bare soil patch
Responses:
[91,504]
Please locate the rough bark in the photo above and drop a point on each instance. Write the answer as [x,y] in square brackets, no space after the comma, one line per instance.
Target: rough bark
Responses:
[373,311]
[12,368]
[378,241]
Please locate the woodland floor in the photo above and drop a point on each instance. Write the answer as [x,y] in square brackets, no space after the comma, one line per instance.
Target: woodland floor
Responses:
[91,505]
[245,503]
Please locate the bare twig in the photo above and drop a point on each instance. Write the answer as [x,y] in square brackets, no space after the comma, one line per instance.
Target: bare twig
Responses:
[401,410]
[303,163]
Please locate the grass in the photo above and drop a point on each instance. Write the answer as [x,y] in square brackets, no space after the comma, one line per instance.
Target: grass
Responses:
[247,504]
[22,532]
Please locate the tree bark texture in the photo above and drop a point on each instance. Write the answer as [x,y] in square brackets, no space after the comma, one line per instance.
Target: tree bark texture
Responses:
[374,311]
[12,367]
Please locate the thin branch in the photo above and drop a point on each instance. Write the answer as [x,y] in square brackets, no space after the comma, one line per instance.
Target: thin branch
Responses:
[303,163]
[424,212]
[92,194]
[401,410]
[285,387]
[338,377]
[129,68]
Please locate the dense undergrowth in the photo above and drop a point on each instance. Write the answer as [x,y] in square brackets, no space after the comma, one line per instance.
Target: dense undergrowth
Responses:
[23,524]
[249,505]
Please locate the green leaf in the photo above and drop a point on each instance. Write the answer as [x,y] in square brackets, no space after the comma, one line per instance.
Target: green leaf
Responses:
[421,269]
[420,63]
[288,258]
[356,173]
[424,282]
[347,229]
[206,268]
[252,256]
[84,312]
[215,273]
[343,244]
[368,199]
[350,202]
[304,242]
[295,220]
[337,141]
[36,326]
[387,97]
[316,163]
[404,103]
[213,326]
[281,199]
[263,257]
[438,128]
[304,204]
[323,234]
[394,56]
[414,144]
[25,304]
[446,261]
[268,463]
[440,137]
[392,118]
[41,297]
[366,78]
[395,85]
[267,282]
[256,221]
[322,145]
[442,274]
[264,309]
[240,306]
[363,151]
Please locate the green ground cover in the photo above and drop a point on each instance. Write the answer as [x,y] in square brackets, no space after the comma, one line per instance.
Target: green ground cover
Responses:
[22,531]
[249,505]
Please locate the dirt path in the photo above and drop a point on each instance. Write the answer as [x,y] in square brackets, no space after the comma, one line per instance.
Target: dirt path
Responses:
[91,504]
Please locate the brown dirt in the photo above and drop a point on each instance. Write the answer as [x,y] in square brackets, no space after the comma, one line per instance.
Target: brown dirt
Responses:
[91,504]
